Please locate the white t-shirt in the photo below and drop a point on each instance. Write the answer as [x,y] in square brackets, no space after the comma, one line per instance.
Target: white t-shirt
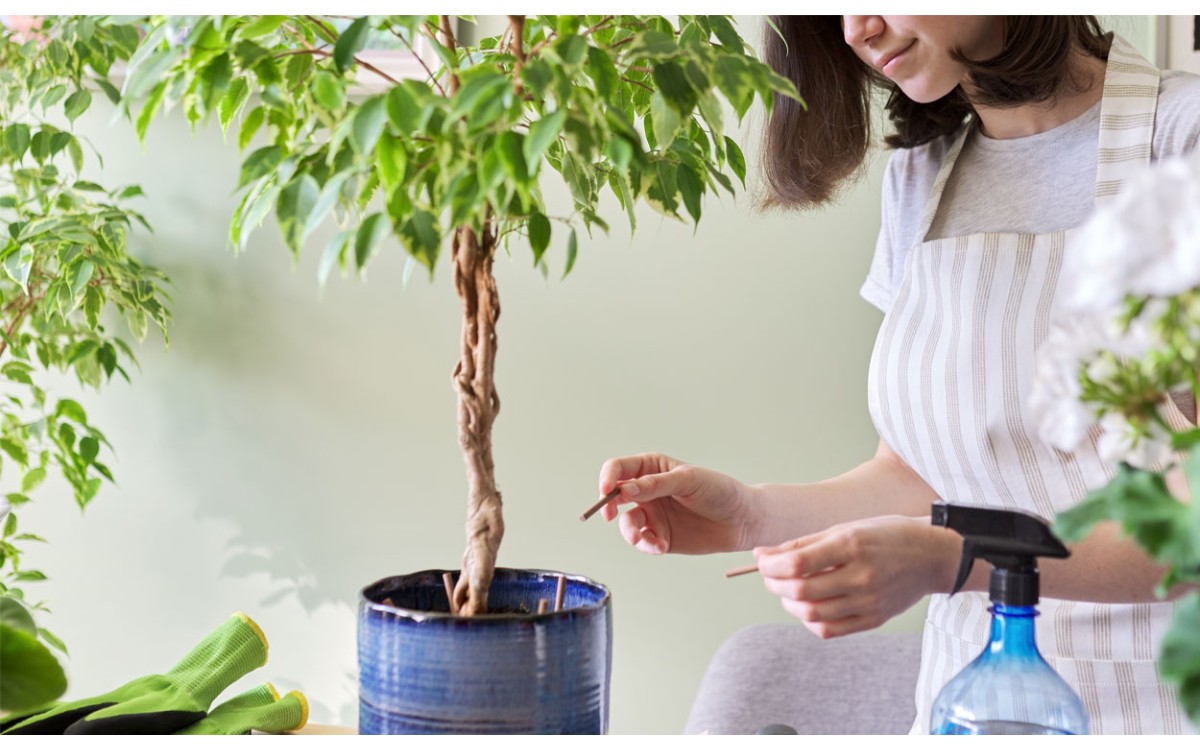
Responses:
[1037,184]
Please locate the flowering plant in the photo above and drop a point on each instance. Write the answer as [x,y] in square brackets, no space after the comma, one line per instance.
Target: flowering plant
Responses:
[1126,338]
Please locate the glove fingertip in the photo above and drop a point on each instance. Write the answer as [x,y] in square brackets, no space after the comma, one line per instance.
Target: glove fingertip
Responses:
[257,631]
[303,708]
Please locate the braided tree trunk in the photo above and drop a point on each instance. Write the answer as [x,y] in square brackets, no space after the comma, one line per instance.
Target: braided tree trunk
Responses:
[478,404]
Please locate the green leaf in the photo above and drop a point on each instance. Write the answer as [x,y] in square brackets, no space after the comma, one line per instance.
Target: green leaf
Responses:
[1179,660]
[509,146]
[691,189]
[261,27]
[572,49]
[10,525]
[77,104]
[404,107]
[18,265]
[295,203]
[71,410]
[15,450]
[52,640]
[250,126]
[93,302]
[737,162]
[16,139]
[481,98]
[539,236]
[259,163]
[572,249]
[32,676]
[329,91]
[392,160]
[665,119]
[232,103]
[330,192]
[16,615]
[368,238]
[726,34]
[32,479]
[603,73]
[353,39]
[89,448]
[675,88]
[334,253]
[541,134]
[369,120]
[421,237]
[32,576]
[39,146]
[81,277]
[214,81]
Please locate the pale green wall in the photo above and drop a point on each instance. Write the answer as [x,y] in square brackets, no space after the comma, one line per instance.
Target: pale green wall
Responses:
[289,449]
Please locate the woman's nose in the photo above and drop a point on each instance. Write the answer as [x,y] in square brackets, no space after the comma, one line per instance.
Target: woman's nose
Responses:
[859,30]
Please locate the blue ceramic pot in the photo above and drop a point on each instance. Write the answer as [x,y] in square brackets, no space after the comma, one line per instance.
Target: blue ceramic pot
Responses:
[422,670]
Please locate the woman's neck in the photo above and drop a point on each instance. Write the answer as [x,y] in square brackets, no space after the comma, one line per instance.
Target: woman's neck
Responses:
[1087,75]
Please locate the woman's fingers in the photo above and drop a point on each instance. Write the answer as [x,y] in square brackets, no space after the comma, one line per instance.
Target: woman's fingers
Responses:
[615,470]
[812,588]
[803,557]
[642,528]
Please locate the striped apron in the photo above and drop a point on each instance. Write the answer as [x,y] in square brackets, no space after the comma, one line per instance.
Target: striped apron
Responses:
[949,382]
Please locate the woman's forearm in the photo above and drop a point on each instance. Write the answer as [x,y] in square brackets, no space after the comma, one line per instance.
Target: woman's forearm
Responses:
[883,485]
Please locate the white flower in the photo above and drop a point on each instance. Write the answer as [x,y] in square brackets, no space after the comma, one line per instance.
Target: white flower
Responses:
[1146,241]
[1058,415]
[1121,443]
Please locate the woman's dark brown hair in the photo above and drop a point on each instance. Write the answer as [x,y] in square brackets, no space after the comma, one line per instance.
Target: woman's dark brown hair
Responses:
[809,153]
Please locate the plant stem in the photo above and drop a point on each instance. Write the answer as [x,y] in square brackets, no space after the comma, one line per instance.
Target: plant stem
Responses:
[326,53]
[478,404]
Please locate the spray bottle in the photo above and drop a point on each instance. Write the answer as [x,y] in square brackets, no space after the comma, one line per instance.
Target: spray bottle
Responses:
[1009,688]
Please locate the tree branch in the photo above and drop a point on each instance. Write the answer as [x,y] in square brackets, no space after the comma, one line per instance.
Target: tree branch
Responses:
[407,43]
[448,41]
[326,53]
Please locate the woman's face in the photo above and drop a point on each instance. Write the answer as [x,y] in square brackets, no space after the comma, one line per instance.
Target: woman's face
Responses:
[915,51]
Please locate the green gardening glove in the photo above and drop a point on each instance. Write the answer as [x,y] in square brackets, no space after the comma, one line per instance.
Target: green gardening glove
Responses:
[260,709]
[162,703]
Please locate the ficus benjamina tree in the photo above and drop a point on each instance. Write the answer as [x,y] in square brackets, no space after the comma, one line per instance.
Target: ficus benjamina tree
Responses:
[456,158]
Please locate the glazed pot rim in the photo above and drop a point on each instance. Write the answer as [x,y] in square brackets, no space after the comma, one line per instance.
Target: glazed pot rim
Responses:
[420,615]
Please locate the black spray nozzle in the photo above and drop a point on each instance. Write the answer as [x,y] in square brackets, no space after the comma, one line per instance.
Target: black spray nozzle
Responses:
[1010,540]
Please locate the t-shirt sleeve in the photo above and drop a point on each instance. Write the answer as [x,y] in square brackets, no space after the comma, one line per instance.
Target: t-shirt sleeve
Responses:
[877,288]
[1177,126]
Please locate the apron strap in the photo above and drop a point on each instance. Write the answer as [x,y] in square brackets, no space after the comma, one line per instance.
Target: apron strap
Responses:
[939,183]
[1126,118]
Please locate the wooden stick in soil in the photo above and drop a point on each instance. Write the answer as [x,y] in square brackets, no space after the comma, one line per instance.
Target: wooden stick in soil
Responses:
[559,593]
[600,504]
[448,582]
[741,571]
[543,605]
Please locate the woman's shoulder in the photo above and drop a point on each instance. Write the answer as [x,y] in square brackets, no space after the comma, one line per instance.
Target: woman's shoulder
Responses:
[1177,123]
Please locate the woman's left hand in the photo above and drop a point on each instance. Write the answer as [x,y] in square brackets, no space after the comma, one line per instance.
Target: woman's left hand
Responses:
[856,576]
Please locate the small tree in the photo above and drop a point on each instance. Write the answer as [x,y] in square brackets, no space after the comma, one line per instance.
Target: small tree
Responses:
[65,261]
[626,103]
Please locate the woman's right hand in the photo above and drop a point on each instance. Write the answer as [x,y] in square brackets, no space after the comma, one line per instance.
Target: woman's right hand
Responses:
[677,507]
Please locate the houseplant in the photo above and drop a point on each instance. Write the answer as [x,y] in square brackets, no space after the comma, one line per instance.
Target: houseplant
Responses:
[1126,338]
[65,263]
[628,103]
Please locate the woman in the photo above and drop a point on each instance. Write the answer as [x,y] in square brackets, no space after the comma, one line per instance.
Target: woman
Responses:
[1008,131]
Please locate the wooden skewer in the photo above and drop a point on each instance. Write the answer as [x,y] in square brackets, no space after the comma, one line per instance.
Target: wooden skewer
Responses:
[741,571]
[543,605]
[600,504]
[448,582]
[559,593]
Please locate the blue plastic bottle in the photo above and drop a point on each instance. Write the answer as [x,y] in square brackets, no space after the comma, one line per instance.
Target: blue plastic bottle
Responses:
[1009,688]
